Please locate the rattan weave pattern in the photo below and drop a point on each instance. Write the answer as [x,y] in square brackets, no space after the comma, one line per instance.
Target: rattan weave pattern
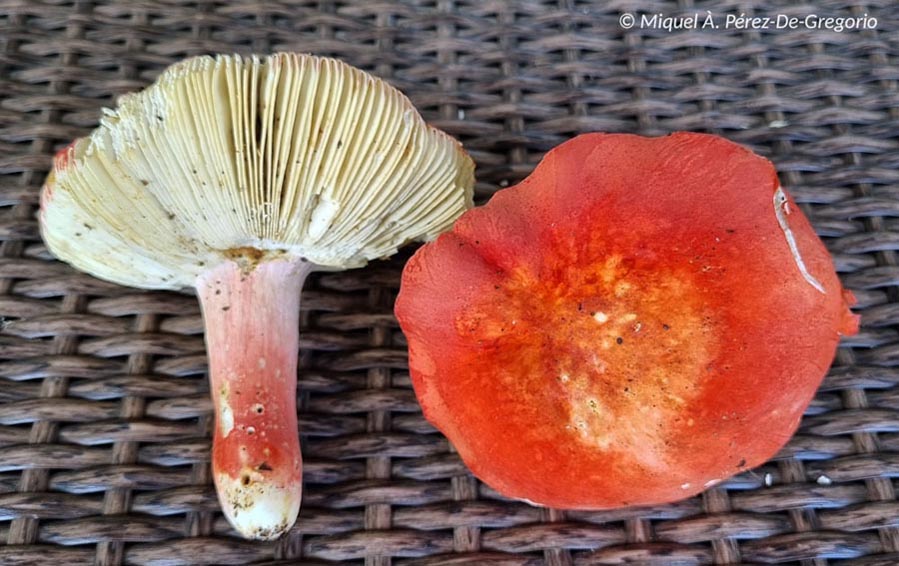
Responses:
[104,415]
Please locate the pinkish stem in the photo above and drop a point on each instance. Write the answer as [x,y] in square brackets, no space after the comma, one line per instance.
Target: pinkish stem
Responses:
[251,316]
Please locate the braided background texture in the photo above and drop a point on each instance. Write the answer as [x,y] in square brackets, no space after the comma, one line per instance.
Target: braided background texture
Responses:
[104,412]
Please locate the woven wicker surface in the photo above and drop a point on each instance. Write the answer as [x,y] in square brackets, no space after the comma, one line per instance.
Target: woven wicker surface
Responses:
[104,415]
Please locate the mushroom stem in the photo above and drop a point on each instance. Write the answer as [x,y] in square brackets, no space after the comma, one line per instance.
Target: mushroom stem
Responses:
[251,316]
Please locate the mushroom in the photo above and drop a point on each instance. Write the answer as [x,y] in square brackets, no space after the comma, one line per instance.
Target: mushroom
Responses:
[240,176]
[636,321]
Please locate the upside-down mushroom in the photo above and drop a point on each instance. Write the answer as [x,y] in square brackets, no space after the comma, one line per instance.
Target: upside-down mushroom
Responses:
[240,176]
[636,321]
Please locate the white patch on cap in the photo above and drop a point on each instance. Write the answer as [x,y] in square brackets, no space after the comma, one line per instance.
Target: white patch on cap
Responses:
[322,216]
[780,211]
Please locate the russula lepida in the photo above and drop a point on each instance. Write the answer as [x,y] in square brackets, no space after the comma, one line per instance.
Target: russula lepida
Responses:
[636,321]
[240,176]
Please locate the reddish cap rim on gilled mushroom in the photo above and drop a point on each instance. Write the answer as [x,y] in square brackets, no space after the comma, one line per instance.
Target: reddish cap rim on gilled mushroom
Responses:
[636,321]
[239,176]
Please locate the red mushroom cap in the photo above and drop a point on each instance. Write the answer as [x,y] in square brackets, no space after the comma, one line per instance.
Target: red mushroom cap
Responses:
[634,322]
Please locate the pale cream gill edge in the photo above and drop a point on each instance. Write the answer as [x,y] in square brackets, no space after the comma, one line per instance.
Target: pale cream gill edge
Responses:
[179,173]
